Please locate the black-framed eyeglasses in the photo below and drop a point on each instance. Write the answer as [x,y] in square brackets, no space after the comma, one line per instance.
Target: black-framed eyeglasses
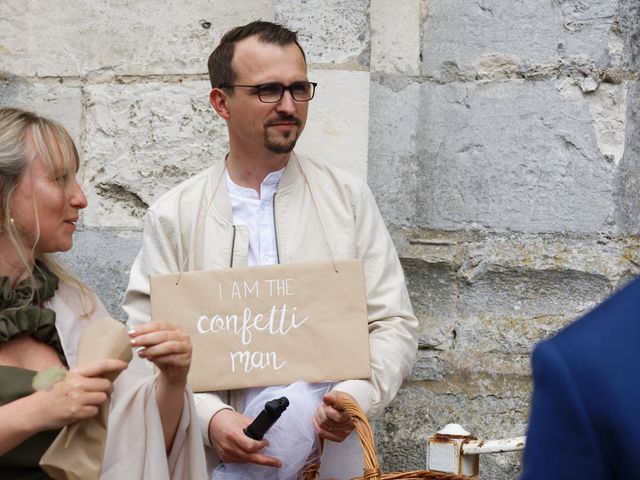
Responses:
[273,92]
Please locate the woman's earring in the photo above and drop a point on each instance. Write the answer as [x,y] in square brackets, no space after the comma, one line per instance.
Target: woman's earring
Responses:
[11,221]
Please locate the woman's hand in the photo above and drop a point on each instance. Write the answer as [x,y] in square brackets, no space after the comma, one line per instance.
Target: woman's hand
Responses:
[76,397]
[167,346]
[79,395]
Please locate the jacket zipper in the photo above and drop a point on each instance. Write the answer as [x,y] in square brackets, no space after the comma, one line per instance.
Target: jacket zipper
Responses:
[275,229]
[233,246]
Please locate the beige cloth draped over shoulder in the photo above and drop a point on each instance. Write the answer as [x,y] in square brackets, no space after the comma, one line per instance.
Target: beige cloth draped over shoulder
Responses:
[78,451]
[134,448]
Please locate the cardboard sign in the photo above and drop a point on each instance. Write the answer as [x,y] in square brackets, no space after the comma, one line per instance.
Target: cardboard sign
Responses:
[269,325]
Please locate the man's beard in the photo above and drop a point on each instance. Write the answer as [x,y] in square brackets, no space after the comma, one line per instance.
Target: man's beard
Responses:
[284,146]
[287,143]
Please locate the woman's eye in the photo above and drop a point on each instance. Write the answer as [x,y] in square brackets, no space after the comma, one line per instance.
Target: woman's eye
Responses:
[62,178]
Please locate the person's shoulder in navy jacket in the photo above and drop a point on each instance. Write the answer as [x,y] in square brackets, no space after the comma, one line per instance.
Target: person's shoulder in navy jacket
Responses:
[585,410]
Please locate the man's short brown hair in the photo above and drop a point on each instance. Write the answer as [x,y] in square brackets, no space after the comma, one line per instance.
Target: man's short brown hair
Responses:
[220,69]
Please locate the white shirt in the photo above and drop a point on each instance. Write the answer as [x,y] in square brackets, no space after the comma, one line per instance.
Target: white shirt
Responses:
[255,210]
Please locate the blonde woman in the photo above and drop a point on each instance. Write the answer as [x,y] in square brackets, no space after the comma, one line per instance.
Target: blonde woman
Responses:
[43,311]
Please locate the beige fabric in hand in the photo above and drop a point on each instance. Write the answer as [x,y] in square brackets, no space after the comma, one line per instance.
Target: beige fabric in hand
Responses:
[78,451]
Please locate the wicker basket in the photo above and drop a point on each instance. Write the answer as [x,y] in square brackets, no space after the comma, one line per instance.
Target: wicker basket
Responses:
[371,464]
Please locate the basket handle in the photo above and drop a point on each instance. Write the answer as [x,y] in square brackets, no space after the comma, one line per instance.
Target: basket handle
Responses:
[371,464]
[365,434]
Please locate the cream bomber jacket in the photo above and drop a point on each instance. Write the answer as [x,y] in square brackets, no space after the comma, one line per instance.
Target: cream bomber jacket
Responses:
[319,212]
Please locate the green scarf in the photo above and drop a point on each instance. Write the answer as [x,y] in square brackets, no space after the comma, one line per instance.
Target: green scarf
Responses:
[21,310]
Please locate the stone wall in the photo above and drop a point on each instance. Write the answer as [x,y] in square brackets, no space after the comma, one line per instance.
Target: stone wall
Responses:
[504,154]
[502,141]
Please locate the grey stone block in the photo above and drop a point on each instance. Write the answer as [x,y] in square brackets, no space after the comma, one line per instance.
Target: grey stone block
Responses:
[516,156]
[627,179]
[485,332]
[459,33]
[505,466]
[513,156]
[430,271]
[330,31]
[143,139]
[429,366]
[519,156]
[141,37]
[395,35]
[102,259]
[394,170]
[475,365]
[519,293]
[629,23]
[60,101]
[504,293]
[515,293]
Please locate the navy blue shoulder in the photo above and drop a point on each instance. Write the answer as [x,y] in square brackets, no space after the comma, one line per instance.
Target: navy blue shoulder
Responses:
[614,322]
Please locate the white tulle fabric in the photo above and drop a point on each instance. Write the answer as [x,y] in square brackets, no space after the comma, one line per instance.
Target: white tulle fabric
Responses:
[291,439]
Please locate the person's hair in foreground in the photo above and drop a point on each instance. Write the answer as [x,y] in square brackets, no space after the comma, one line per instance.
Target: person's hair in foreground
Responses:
[219,65]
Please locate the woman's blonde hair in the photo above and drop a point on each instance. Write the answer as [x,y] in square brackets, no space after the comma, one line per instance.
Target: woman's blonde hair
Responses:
[24,137]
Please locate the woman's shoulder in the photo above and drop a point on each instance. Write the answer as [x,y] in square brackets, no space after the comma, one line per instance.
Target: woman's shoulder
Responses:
[76,307]
[78,299]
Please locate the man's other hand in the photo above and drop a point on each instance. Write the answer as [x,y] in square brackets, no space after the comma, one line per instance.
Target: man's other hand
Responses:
[332,424]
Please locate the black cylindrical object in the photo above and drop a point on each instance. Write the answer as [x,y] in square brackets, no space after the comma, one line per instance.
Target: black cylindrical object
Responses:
[267,417]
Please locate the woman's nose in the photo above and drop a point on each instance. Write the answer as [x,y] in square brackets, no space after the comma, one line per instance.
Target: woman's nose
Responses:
[78,198]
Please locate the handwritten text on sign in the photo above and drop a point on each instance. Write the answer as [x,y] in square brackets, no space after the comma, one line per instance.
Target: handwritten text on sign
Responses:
[269,325]
[279,320]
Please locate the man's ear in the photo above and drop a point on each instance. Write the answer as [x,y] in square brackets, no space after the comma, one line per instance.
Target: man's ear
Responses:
[218,101]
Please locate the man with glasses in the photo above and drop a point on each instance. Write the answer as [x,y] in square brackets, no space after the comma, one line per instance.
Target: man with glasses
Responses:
[265,205]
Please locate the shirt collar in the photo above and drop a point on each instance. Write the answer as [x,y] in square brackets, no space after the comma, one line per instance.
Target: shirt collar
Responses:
[268,186]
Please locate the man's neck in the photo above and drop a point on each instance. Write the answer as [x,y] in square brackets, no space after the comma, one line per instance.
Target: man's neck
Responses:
[250,172]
